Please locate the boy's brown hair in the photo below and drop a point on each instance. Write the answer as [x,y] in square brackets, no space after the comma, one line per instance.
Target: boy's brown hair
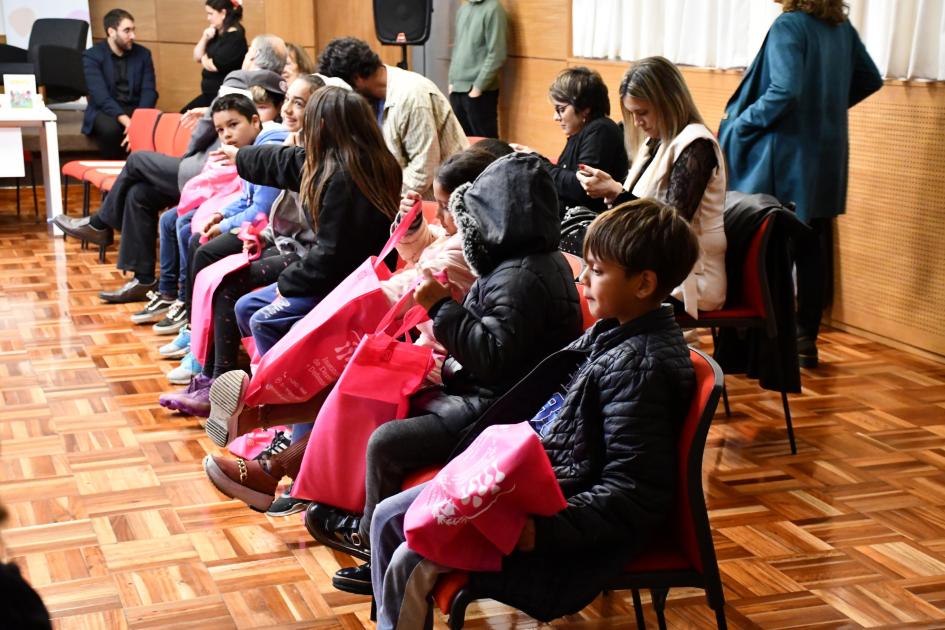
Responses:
[645,234]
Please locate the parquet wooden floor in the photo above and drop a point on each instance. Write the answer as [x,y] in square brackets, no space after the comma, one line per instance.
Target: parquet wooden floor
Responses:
[114,523]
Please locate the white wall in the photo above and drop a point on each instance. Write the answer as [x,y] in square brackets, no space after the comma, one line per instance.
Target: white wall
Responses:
[19,15]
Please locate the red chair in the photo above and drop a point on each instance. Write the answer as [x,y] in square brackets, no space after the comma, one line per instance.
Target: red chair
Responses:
[682,554]
[140,138]
[576,263]
[749,306]
[165,132]
[588,319]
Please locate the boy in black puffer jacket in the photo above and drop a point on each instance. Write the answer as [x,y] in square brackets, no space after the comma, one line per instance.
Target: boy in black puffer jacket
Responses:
[523,306]
[608,409]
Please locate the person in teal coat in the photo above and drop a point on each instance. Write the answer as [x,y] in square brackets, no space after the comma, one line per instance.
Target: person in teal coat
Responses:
[784,133]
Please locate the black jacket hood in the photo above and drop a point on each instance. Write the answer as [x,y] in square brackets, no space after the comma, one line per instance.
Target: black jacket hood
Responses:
[510,211]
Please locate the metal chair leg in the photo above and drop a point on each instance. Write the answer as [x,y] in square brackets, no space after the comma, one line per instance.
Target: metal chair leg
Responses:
[65,194]
[784,399]
[17,196]
[101,253]
[715,354]
[720,619]
[659,604]
[787,422]
[638,609]
[33,184]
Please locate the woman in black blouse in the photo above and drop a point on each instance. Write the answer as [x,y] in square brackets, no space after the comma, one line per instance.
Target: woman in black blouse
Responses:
[581,108]
[220,50]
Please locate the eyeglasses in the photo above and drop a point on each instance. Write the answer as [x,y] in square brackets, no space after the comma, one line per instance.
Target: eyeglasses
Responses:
[560,109]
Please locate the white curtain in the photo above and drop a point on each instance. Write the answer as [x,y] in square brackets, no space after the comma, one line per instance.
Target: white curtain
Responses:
[905,37]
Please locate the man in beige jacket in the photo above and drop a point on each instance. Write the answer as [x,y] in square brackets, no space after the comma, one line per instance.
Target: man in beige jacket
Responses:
[418,124]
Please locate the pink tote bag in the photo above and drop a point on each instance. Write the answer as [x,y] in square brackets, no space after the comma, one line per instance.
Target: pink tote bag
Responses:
[472,513]
[207,281]
[374,388]
[316,349]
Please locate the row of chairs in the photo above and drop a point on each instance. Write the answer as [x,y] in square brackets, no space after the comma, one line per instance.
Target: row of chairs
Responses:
[150,130]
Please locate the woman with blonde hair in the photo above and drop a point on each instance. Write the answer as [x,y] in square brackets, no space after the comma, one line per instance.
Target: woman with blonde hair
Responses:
[677,160]
[784,133]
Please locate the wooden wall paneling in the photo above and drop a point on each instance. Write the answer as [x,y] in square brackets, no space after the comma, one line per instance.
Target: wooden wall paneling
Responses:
[180,21]
[525,111]
[142,10]
[539,28]
[293,20]
[254,17]
[178,77]
[888,246]
[353,19]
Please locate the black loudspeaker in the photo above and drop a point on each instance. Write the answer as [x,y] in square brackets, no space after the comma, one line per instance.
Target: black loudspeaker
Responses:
[402,22]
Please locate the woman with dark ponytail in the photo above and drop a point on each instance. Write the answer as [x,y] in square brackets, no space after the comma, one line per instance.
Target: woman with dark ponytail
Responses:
[221,48]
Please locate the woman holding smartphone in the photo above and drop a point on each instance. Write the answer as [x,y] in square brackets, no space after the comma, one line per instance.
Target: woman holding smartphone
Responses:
[676,160]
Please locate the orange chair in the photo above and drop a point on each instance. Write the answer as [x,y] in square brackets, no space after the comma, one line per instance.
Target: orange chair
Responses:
[164,136]
[165,132]
[140,138]
[749,306]
[182,140]
[682,554]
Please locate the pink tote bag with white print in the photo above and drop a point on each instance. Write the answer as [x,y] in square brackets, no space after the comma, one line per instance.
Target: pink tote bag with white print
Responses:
[472,513]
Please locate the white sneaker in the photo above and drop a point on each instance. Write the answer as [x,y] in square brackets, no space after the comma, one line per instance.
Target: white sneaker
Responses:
[183,373]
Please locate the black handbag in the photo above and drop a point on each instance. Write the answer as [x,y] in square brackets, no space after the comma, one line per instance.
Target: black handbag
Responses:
[573,227]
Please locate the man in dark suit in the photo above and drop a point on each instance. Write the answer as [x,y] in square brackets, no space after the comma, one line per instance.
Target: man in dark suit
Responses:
[120,78]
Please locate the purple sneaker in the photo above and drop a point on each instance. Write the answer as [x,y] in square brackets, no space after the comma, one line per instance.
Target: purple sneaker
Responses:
[192,401]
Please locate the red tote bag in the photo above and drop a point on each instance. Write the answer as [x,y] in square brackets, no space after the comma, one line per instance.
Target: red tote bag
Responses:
[472,513]
[313,353]
[374,388]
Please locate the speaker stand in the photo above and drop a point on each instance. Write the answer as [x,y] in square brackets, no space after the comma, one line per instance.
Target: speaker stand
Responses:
[403,57]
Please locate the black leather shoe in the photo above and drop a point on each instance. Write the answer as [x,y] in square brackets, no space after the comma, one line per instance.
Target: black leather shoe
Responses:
[355,580]
[84,231]
[132,291]
[337,529]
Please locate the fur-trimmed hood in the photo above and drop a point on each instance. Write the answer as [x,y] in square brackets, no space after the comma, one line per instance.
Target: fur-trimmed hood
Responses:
[510,211]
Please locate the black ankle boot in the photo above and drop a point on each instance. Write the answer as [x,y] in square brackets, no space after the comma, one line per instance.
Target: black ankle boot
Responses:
[807,351]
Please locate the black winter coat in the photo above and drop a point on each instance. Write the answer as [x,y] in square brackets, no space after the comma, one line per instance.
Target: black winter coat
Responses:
[612,447]
[773,361]
[599,144]
[523,306]
[350,228]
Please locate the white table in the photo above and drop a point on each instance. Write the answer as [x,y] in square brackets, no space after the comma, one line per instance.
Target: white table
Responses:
[45,119]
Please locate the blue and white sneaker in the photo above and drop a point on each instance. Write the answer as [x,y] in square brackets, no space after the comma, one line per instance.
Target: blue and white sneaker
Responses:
[178,348]
[183,373]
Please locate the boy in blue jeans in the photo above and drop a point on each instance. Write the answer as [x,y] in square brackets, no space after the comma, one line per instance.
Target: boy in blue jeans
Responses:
[611,440]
